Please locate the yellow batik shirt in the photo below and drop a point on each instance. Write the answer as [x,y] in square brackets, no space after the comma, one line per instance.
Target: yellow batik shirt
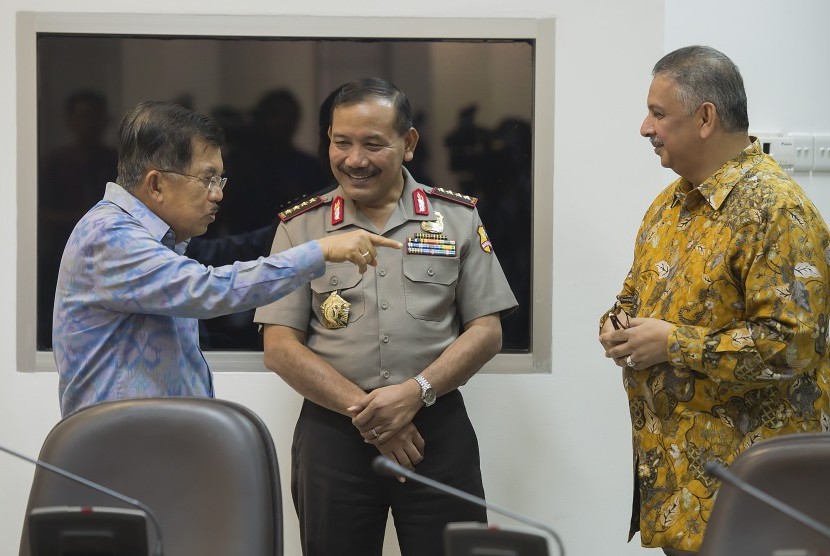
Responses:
[740,265]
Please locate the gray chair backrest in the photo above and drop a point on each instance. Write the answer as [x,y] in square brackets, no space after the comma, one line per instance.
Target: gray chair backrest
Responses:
[793,468]
[207,468]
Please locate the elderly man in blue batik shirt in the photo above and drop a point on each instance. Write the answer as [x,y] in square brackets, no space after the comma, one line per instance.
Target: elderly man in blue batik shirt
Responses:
[127,300]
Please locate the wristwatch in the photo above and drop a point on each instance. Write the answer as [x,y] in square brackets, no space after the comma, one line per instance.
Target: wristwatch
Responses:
[427,391]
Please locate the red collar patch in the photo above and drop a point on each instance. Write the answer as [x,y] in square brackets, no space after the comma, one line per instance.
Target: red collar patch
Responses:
[337,211]
[419,202]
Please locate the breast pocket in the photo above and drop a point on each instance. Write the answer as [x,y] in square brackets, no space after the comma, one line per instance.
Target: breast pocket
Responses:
[345,279]
[429,286]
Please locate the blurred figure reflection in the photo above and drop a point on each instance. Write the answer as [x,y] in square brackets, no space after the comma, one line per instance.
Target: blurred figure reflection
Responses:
[272,170]
[271,173]
[70,181]
[495,165]
[469,149]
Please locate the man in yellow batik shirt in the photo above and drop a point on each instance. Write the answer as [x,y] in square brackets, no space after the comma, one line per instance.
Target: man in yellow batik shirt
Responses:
[721,325]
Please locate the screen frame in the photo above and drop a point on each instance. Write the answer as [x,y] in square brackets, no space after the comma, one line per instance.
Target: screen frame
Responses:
[540,31]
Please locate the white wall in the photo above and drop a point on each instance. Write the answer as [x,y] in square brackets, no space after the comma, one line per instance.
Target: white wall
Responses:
[781,48]
[555,447]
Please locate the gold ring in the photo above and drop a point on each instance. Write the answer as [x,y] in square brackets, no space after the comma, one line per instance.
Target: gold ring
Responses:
[364,255]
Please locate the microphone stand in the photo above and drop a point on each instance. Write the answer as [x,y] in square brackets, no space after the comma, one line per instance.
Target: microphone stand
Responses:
[95,486]
[383,466]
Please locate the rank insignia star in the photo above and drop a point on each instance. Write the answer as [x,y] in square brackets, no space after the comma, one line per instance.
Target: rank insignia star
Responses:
[301,207]
[453,196]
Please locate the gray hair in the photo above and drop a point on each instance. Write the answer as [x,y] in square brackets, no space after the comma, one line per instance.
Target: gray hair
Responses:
[160,135]
[703,74]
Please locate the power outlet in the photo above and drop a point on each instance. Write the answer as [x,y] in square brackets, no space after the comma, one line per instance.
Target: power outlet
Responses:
[781,148]
[821,153]
[803,152]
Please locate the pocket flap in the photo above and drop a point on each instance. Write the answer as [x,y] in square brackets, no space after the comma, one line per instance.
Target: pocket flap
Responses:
[435,270]
[338,276]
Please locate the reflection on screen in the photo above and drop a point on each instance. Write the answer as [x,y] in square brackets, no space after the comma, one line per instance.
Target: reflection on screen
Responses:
[472,100]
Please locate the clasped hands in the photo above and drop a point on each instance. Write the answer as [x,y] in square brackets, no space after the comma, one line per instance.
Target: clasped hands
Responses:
[384,418]
[641,344]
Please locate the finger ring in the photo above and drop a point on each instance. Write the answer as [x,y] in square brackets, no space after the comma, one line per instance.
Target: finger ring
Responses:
[364,255]
[375,433]
[630,362]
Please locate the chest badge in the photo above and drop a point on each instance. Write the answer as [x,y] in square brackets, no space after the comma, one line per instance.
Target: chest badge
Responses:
[435,226]
[334,312]
[432,241]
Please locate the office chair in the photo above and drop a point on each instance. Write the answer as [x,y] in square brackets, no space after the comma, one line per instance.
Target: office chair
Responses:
[207,468]
[793,468]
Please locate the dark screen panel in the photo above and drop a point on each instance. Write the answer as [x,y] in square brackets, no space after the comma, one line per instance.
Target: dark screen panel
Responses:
[473,106]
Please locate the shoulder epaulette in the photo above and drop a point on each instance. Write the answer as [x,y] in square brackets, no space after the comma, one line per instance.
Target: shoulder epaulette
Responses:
[301,207]
[453,196]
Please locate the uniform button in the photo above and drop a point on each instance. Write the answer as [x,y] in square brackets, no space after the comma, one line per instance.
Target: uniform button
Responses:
[431,272]
[384,305]
[385,374]
[334,280]
[384,339]
[382,272]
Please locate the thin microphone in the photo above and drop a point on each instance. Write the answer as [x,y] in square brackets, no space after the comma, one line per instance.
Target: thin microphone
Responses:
[388,468]
[99,488]
[714,469]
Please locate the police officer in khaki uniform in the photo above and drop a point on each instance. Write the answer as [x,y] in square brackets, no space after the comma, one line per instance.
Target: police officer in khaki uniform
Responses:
[379,356]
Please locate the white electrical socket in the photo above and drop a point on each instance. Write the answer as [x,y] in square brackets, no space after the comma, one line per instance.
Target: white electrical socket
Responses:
[821,153]
[781,148]
[803,152]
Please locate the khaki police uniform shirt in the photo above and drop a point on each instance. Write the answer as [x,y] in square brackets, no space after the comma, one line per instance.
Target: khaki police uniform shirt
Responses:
[409,308]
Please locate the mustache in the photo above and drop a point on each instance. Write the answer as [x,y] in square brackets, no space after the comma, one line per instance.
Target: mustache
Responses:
[655,142]
[358,172]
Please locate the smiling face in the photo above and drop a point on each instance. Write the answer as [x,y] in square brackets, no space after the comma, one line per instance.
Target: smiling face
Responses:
[185,203]
[366,152]
[674,135]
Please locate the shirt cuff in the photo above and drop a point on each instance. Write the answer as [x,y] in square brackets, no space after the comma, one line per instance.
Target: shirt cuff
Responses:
[684,348]
[309,259]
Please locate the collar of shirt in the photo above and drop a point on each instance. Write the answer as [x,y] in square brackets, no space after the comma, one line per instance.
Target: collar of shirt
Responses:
[404,211]
[157,227]
[716,188]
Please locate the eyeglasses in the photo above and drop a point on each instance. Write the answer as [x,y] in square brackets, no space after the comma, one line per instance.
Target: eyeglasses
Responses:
[213,183]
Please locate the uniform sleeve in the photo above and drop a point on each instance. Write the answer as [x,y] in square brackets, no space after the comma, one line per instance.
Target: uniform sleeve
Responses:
[786,296]
[482,287]
[294,309]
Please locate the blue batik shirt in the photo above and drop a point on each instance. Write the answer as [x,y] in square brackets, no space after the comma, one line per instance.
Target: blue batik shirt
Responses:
[127,303]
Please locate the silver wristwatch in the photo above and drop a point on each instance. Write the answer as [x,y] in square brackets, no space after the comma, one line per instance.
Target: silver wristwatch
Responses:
[427,391]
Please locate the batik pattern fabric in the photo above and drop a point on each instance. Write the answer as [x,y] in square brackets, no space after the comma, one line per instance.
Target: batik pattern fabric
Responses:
[739,266]
[127,303]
